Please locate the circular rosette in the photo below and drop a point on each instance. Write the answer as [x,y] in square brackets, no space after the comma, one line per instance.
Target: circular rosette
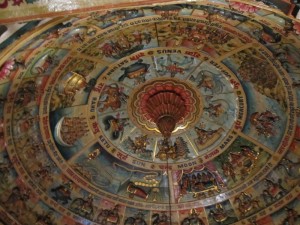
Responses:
[165,106]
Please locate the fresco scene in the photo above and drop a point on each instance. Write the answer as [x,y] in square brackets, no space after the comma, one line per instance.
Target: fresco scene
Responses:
[160,114]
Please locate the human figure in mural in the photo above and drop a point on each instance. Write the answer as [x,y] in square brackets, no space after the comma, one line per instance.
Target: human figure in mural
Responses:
[62,193]
[291,168]
[112,97]
[200,183]
[47,218]
[246,204]
[160,219]
[209,81]
[204,135]
[264,122]
[214,110]
[83,206]
[5,166]
[115,126]
[138,219]
[136,71]
[109,216]
[192,219]
[292,217]
[48,62]
[17,200]
[273,191]
[219,214]
[11,65]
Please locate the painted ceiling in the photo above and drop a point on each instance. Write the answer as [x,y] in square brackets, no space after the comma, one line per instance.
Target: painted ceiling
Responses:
[77,142]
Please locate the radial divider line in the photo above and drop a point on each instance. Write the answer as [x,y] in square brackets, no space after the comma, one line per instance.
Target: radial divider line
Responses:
[123,84]
[82,55]
[157,33]
[226,55]
[193,147]
[155,66]
[214,122]
[75,156]
[124,137]
[103,114]
[154,150]
[265,148]
[169,174]
[191,73]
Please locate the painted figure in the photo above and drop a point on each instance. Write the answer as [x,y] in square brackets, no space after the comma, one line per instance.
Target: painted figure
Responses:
[192,219]
[168,151]
[139,146]
[43,174]
[167,10]
[115,126]
[113,17]
[200,183]
[109,216]
[26,93]
[4,173]
[136,71]
[111,97]
[62,193]
[240,163]
[140,143]
[292,217]
[214,110]
[173,67]
[219,214]
[291,168]
[209,81]
[83,207]
[138,219]
[160,219]
[9,66]
[288,56]
[246,204]
[260,74]
[17,200]
[264,122]
[206,137]
[225,14]
[44,64]
[273,191]
[122,44]
[228,171]
[69,130]
[134,190]
[66,89]
[45,219]
[94,154]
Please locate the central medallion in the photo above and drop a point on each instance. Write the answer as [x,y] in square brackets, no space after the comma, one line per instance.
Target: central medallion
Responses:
[164,106]
[150,115]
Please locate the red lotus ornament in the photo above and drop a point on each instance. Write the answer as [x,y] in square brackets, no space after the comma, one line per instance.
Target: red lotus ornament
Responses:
[165,105]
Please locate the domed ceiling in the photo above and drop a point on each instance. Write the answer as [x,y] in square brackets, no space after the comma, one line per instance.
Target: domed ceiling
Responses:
[80,98]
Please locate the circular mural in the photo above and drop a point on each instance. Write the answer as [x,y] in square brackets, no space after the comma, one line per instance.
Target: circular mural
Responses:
[84,142]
